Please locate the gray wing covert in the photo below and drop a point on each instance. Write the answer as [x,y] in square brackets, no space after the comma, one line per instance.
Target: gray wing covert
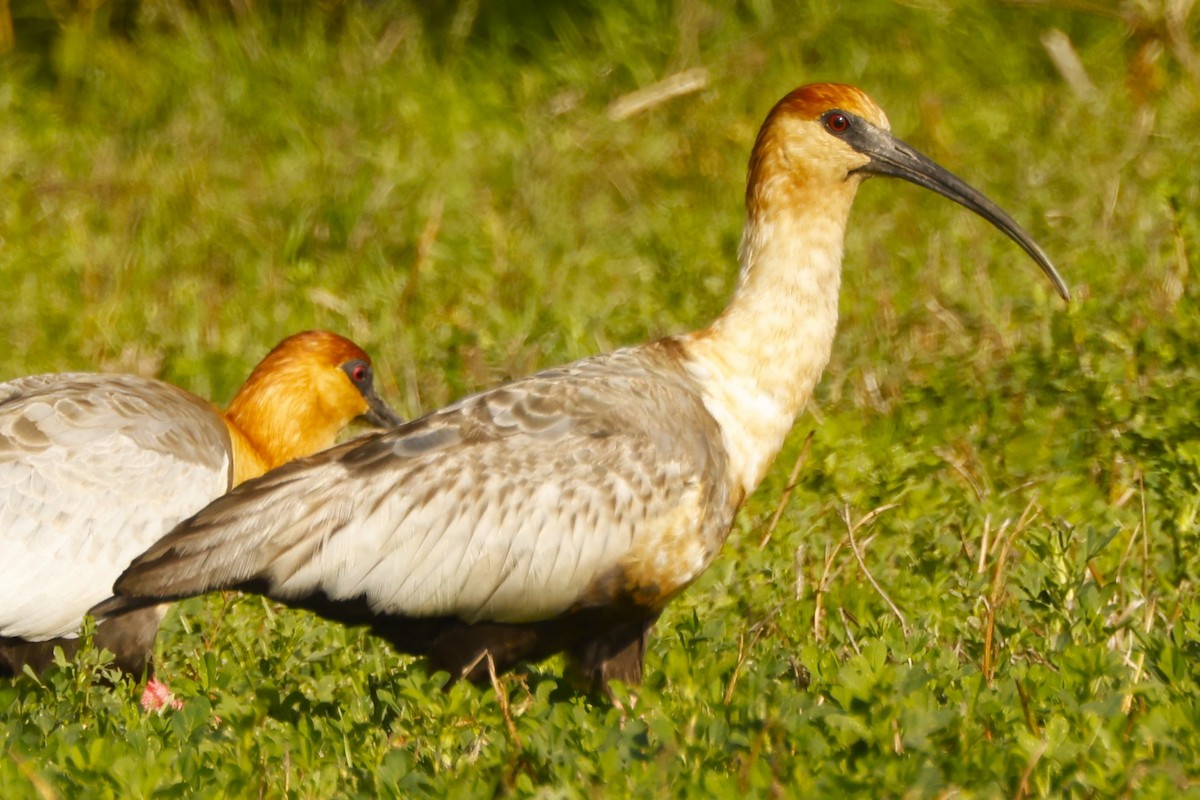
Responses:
[93,469]
[513,505]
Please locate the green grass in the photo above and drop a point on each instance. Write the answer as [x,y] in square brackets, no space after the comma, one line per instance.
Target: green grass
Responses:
[447,188]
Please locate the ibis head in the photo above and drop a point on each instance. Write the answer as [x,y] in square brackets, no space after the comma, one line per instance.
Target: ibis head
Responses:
[823,135]
[306,390]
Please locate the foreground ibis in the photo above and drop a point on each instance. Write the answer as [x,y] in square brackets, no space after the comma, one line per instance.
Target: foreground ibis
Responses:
[96,468]
[563,511]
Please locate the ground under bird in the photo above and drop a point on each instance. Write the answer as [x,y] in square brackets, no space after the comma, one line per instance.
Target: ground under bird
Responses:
[95,468]
[563,511]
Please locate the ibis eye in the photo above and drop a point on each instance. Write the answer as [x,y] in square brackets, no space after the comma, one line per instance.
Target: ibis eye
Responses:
[836,122]
[358,371]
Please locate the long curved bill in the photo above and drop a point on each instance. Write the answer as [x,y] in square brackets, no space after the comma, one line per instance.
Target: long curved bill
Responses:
[379,413]
[890,156]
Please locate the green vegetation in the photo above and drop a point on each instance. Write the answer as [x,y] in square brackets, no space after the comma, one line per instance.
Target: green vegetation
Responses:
[448,187]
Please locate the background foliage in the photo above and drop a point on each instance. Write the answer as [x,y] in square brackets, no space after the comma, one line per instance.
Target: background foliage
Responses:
[457,187]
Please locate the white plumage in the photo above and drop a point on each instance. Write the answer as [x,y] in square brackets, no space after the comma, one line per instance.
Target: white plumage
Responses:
[91,474]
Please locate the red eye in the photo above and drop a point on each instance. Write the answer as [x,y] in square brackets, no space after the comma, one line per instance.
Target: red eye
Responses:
[836,122]
[360,373]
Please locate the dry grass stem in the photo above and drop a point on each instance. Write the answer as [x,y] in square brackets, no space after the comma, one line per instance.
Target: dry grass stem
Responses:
[1145,538]
[1023,786]
[737,668]
[959,465]
[1133,538]
[1030,722]
[829,572]
[983,545]
[1149,610]
[1142,528]
[798,562]
[1062,54]
[213,632]
[756,632]
[429,235]
[787,492]
[850,528]
[823,584]
[849,632]
[681,83]
[997,587]
[7,40]
[43,789]
[502,699]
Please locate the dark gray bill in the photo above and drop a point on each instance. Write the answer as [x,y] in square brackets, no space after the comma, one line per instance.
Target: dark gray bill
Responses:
[379,413]
[890,156]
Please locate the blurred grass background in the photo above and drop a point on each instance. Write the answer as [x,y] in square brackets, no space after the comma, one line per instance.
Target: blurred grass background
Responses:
[460,188]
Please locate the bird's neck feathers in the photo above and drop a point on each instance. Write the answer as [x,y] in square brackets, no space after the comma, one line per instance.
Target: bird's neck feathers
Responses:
[248,462]
[760,360]
[280,416]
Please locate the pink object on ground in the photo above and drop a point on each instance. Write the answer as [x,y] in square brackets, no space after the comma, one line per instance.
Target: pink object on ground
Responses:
[157,696]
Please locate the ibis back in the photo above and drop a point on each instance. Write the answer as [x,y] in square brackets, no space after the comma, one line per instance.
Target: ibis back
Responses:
[522,521]
[93,470]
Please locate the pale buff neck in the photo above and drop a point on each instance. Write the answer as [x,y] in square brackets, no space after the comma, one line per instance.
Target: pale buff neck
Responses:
[758,363]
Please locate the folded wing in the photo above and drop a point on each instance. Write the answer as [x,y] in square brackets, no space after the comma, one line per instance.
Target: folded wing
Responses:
[560,491]
[93,469]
